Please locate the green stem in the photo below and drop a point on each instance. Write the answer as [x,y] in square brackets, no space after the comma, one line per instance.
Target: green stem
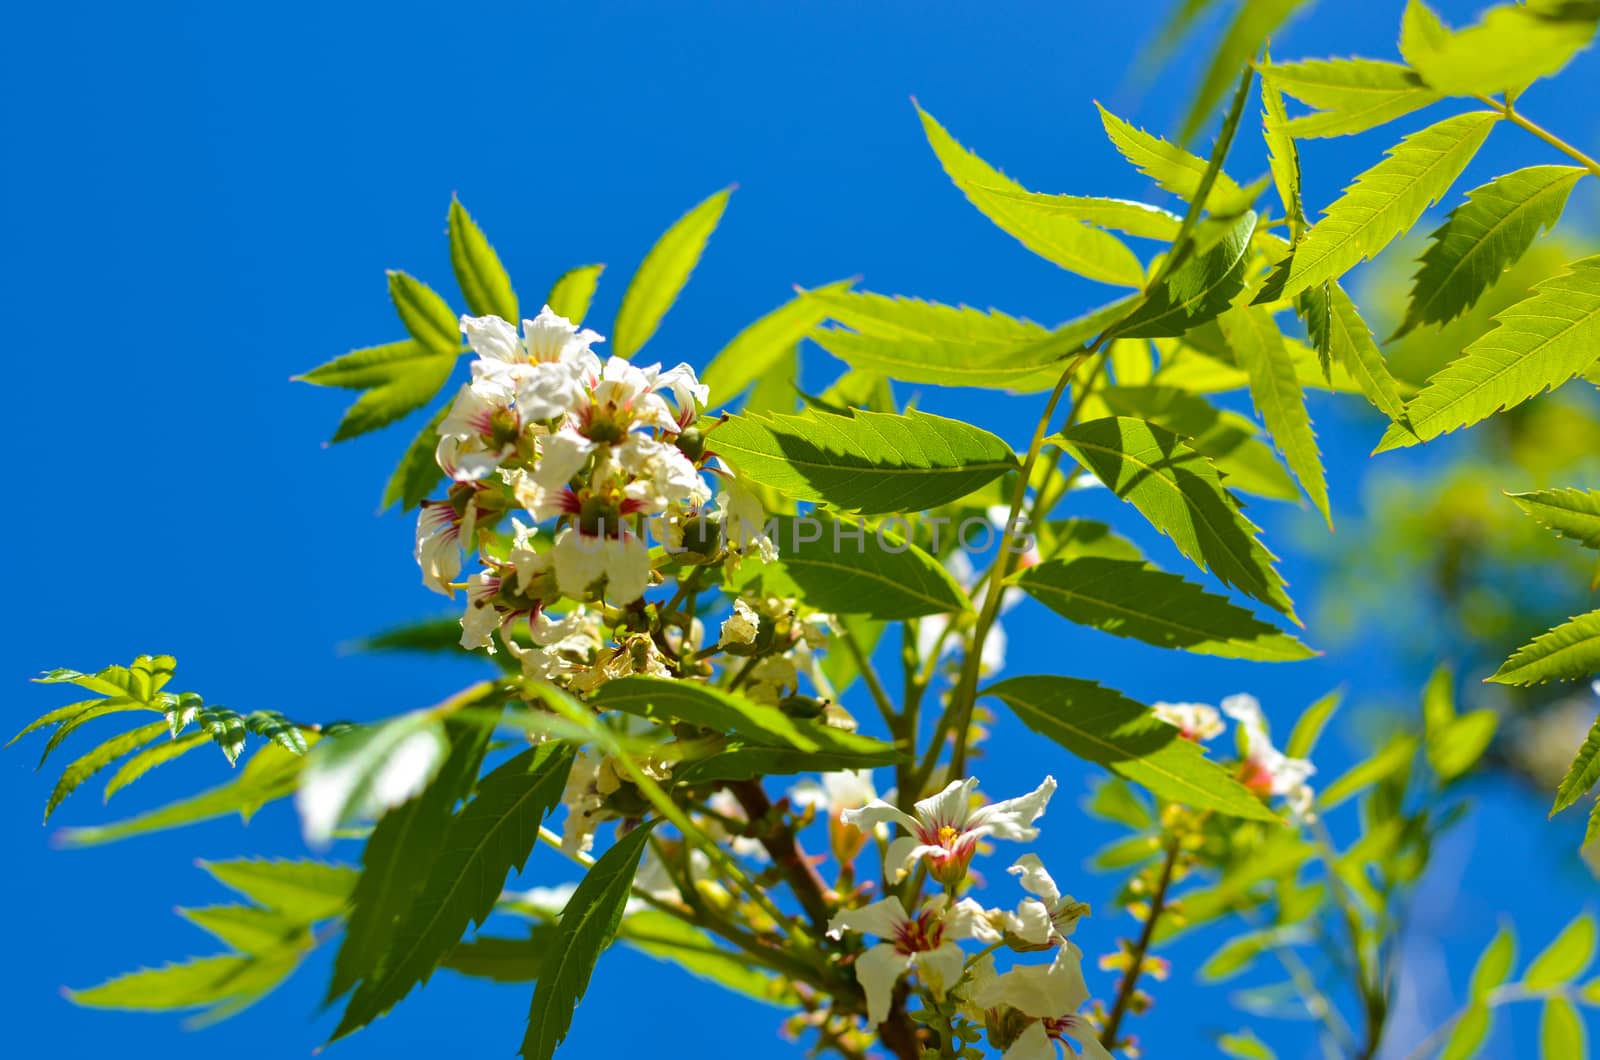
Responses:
[1515,118]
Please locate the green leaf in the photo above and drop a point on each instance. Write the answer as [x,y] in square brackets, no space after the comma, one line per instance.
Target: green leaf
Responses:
[1276,392]
[271,725]
[1351,343]
[399,378]
[1572,513]
[1582,773]
[1394,756]
[502,960]
[428,318]
[573,292]
[1066,539]
[482,279]
[248,929]
[1494,964]
[144,761]
[1511,47]
[1173,168]
[1235,956]
[1053,235]
[661,699]
[1283,158]
[853,569]
[1422,31]
[1496,224]
[143,679]
[271,774]
[1351,95]
[1128,598]
[1197,290]
[667,938]
[310,890]
[1565,959]
[1457,747]
[195,983]
[90,764]
[226,728]
[94,710]
[1103,726]
[1252,24]
[742,762]
[1567,652]
[1383,202]
[57,716]
[1115,800]
[1470,1031]
[761,346]
[662,275]
[1308,728]
[924,342]
[588,924]
[492,835]
[403,839]
[442,634]
[1179,491]
[1561,1033]
[869,462]
[361,774]
[1245,1046]
[418,471]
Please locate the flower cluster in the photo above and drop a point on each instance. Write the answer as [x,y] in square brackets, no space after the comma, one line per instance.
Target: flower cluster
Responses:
[1263,768]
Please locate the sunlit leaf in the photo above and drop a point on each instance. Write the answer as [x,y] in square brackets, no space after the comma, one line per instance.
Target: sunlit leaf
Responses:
[1173,168]
[573,292]
[663,274]
[760,346]
[482,279]
[1350,95]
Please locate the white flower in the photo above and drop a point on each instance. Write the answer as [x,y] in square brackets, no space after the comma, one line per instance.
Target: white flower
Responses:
[1196,721]
[544,370]
[744,522]
[688,393]
[947,830]
[847,789]
[771,679]
[742,626]
[1051,994]
[440,529]
[1267,770]
[583,559]
[1048,917]
[660,474]
[925,943]
[478,435]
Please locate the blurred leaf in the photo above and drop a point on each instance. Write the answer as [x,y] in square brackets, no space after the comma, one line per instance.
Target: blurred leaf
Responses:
[311,890]
[1100,725]
[1179,492]
[1459,745]
[1383,202]
[1566,958]
[1115,800]
[588,924]
[1252,24]
[90,764]
[1245,1046]
[1561,1033]
[1495,964]
[1033,219]
[573,292]
[362,774]
[1470,1031]
[663,273]
[482,279]
[1350,95]
[1394,756]
[1308,727]
[1512,46]
[1235,956]
[144,761]
[1129,598]
[418,471]
[248,929]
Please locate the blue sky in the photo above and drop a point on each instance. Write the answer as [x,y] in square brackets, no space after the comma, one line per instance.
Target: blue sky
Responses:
[204,198]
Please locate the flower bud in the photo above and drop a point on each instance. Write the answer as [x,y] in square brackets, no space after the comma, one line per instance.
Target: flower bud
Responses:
[798,706]
[692,444]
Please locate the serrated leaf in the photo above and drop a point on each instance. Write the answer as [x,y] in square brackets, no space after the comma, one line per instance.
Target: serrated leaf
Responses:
[1197,290]
[1252,24]
[95,710]
[1053,235]
[1382,202]
[418,471]
[1350,95]
[310,890]
[573,292]
[1483,237]
[1582,773]
[869,462]
[55,717]
[662,699]
[1066,539]
[224,726]
[1512,46]
[482,279]
[427,317]
[147,675]
[403,839]
[1494,964]
[1276,393]
[1561,1033]
[1308,727]
[363,773]
[1572,513]
[195,983]
[588,924]
[1351,344]
[1470,1031]
[248,929]
[1567,652]
[1566,958]
[1283,158]
[145,761]
[271,774]
[90,764]
[1178,491]
[852,569]
[271,725]
[1103,726]
[398,378]
[491,836]
[1225,438]
[924,342]
[663,273]
[1173,168]
[1128,598]
[757,349]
